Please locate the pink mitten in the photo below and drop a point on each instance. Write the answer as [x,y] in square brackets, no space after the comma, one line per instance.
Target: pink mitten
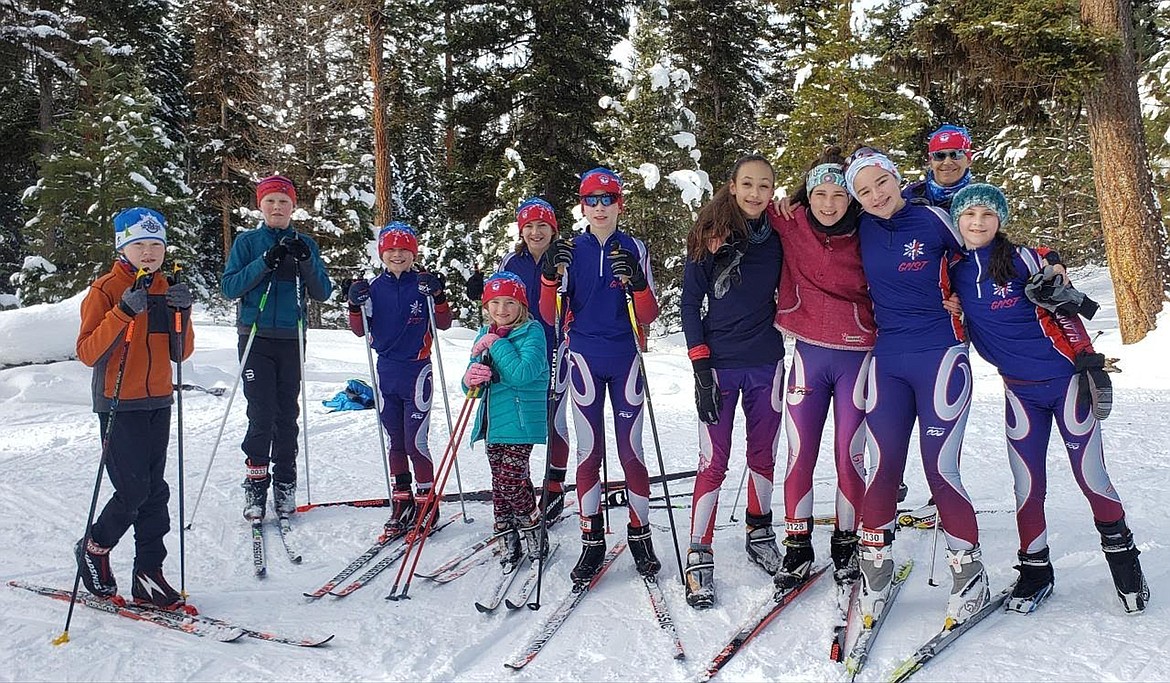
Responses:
[477,373]
[483,344]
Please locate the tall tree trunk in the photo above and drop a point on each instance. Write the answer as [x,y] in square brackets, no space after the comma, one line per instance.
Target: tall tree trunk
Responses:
[449,85]
[377,23]
[222,192]
[1121,174]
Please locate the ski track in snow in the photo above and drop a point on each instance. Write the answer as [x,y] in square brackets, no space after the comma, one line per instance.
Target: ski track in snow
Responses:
[49,450]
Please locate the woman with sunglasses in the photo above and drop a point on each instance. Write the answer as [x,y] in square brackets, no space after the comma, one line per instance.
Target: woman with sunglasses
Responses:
[824,304]
[733,265]
[921,372]
[948,155]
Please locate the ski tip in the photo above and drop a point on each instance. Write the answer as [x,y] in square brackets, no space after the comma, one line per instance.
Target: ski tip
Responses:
[483,609]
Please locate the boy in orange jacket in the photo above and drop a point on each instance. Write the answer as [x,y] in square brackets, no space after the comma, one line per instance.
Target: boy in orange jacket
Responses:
[129,337]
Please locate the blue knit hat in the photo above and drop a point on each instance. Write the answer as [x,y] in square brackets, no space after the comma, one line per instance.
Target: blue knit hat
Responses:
[139,223]
[980,194]
[397,235]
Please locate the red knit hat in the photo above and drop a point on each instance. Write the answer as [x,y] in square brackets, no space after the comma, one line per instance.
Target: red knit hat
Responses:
[397,235]
[505,283]
[600,179]
[275,183]
[536,209]
[949,137]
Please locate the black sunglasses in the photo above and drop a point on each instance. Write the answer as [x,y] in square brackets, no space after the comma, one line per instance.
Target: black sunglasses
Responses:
[603,199]
[945,154]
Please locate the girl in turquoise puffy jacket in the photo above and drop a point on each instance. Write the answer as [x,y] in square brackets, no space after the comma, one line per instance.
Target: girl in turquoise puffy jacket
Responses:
[510,363]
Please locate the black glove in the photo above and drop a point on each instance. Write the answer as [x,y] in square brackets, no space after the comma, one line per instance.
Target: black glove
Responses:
[623,263]
[708,400]
[179,296]
[1050,290]
[275,255]
[359,293]
[297,248]
[560,253]
[133,301]
[1094,388]
[432,284]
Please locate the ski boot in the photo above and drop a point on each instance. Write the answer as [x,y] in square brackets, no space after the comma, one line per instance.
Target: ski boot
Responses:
[876,562]
[535,537]
[592,549]
[1122,556]
[511,550]
[424,504]
[903,489]
[1035,582]
[798,559]
[256,493]
[94,563]
[552,503]
[151,588]
[642,547]
[402,513]
[700,577]
[843,550]
[284,497]
[969,592]
[761,543]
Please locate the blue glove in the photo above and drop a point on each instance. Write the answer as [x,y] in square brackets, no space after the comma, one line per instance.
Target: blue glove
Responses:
[359,293]
[432,285]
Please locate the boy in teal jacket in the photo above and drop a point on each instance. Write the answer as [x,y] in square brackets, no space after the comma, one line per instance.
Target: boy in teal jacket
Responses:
[509,364]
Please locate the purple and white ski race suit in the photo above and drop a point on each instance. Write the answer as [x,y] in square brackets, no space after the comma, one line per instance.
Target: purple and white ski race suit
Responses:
[1035,351]
[747,357]
[824,304]
[603,356]
[920,370]
[400,333]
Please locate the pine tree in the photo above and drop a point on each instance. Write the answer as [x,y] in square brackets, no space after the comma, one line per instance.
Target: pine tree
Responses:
[845,96]
[656,151]
[716,43]
[224,137]
[110,154]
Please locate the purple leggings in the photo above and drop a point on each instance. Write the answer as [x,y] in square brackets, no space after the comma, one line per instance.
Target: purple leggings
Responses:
[1031,409]
[763,405]
[588,381]
[934,388]
[819,375]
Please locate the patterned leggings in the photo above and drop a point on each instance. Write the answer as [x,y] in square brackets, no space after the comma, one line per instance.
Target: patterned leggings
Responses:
[513,499]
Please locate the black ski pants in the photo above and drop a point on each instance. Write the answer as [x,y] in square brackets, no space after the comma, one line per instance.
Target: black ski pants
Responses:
[136,462]
[272,383]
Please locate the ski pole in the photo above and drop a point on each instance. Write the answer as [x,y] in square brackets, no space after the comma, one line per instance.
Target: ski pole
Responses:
[654,431]
[97,485]
[446,401]
[181,334]
[304,389]
[934,549]
[416,539]
[735,505]
[558,338]
[231,397]
[384,457]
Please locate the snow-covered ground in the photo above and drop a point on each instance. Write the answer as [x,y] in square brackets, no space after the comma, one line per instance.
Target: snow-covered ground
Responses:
[49,450]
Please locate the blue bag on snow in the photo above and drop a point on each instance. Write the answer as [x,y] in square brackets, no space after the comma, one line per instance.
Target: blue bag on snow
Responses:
[357,396]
